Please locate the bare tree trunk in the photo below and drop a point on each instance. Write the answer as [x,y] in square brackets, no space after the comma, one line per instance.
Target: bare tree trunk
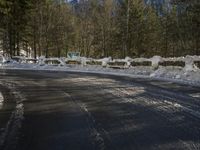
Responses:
[10,41]
[126,52]
[17,42]
[47,47]
[34,47]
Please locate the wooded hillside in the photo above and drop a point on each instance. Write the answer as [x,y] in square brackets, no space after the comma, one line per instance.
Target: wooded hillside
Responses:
[100,28]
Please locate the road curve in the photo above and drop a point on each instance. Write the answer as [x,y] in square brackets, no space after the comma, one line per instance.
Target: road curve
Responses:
[45,110]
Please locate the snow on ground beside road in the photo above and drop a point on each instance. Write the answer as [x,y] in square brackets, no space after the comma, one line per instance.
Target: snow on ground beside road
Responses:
[14,124]
[1,100]
[172,73]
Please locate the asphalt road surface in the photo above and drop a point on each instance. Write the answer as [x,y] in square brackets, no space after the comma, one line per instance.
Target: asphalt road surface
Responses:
[41,110]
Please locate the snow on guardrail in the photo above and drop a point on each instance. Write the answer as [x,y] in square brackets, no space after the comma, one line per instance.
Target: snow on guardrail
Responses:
[51,61]
[22,59]
[188,60]
[186,69]
[188,63]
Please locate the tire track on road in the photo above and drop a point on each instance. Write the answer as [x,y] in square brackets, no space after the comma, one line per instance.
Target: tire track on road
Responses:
[96,136]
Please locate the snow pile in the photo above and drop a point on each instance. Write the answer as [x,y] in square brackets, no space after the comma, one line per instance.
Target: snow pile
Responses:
[170,72]
[177,73]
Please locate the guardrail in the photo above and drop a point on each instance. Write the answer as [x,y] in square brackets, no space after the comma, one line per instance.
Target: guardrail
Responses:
[188,63]
[22,59]
[51,61]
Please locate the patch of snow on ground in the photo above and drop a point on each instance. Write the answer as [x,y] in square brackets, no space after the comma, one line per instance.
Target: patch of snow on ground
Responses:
[1,100]
[15,122]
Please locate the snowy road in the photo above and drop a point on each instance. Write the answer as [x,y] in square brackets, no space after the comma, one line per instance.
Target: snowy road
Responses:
[44,110]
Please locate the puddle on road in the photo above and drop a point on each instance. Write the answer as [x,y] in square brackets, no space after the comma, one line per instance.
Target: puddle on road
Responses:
[1,100]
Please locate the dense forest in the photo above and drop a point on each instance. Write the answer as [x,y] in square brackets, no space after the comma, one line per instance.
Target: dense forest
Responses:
[100,28]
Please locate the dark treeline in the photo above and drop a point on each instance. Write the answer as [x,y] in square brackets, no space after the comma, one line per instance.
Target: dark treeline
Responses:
[100,28]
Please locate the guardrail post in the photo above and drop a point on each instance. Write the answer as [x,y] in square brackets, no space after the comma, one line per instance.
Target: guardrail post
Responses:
[83,61]
[189,63]
[105,61]
[61,61]
[41,60]
[155,61]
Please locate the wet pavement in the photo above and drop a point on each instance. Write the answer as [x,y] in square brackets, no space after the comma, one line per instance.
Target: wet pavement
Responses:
[44,110]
